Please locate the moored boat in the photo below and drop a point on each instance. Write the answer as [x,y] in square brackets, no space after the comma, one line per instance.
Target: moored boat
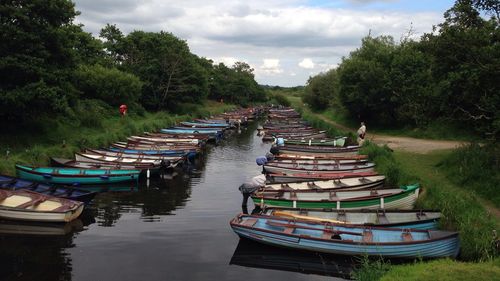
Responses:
[370,182]
[75,176]
[347,240]
[295,168]
[308,176]
[414,219]
[68,192]
[396,198]
[31,206]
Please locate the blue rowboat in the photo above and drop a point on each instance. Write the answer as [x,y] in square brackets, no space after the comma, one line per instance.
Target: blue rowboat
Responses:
[68,192]
[148,152]
[347,240]
[215,130]
[205,125]
[189,154]
[75,176]
[212,134]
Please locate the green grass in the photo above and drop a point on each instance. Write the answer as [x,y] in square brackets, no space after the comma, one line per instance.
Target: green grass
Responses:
[62,138]
[444,270]
[476,168]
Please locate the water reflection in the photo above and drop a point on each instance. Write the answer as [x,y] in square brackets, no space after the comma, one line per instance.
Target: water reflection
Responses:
[37,251]
[257,255]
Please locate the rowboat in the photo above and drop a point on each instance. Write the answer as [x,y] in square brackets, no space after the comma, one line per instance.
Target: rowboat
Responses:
[32,206]
[271,137]
[199,137]
[396,198]
[205,125]
[125,150]
[347,240]
[318,150]
[292,156]
[295,168]
[70,163]
[75,176]
[370,182]
[345,161]
[301,177]
[97,158]
[173,160]
[172,141]
[159,145]
[414,219]
[166,150]
[317,142]
[68,192]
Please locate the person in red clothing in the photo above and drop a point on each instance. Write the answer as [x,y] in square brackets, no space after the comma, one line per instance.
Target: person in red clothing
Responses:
[123,110]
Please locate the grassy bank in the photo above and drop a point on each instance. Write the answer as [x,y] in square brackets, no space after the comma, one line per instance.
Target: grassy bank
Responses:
[452,181]
[62,138]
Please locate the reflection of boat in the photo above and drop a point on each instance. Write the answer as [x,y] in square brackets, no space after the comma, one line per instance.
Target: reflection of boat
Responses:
[33,228]
[130,187]
[252,254]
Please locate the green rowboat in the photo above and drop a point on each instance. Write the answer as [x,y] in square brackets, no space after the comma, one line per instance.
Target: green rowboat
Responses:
[397,198]
[320,142]
[75,176]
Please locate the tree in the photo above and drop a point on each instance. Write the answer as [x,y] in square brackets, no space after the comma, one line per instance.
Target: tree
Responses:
[36,57]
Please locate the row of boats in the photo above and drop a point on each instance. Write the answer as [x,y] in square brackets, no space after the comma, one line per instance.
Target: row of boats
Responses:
[321,195]
[59,193]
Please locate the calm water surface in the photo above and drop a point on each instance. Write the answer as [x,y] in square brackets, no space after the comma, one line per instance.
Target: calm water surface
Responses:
[171,229]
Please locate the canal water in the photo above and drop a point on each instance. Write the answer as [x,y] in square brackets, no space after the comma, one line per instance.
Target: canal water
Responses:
[165,229]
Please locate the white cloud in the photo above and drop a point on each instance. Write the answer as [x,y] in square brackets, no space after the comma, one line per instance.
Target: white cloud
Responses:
[228,61]
[306,63]
[271,66]
[286,30]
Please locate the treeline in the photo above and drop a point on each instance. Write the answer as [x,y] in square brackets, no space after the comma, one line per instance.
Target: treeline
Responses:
[449,75]
[50,67]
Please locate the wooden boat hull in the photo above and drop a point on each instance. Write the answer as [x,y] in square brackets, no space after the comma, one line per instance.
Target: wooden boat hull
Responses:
[71,193]
[341,169]
[413,219]
[303,177]
[350,200]
[76,176]
[381,242]
[70,163]
[370,182]
[32,206]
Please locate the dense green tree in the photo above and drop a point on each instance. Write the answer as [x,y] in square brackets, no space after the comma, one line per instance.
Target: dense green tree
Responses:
[321,89]
[107,84]
[37,56]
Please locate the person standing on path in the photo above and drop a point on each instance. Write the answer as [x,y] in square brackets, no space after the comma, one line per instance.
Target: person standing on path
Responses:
[361,134]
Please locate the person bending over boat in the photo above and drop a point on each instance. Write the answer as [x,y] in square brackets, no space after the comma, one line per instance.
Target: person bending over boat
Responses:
[250,187]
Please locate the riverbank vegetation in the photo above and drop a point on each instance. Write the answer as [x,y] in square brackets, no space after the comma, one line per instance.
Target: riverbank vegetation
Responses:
[446,81]
[58,137]
[51,68]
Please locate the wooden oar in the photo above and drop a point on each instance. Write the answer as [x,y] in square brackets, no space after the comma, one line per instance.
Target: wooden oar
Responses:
[313,228]
[291,215]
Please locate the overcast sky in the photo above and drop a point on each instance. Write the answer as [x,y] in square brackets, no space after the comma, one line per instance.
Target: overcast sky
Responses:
[285,41]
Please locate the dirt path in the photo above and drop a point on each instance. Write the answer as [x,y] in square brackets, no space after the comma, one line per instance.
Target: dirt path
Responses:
[409,144]
[421,146]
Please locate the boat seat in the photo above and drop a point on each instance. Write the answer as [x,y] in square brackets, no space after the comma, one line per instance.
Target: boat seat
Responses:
[33,202]
[3,195]
[341,215]
[286,187]
[312,185]
[249,222]
[407,237]
[382,218]
[365,180]
[421,216]
[367,236]
[333,196]
[288,230]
